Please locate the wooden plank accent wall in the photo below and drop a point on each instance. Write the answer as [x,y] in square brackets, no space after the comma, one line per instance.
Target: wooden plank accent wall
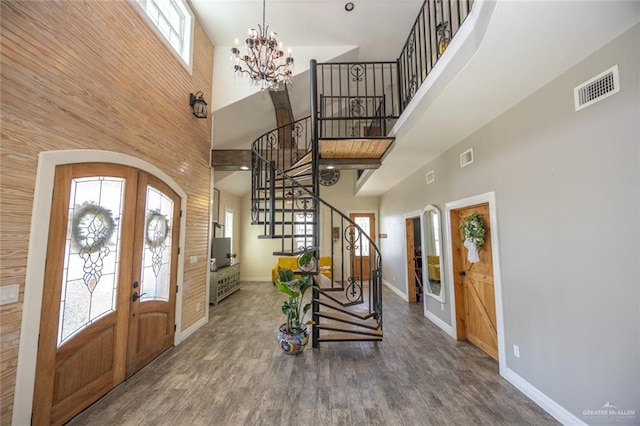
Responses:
[93,75]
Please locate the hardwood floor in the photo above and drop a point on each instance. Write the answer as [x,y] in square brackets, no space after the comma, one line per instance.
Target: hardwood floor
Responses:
[230,372]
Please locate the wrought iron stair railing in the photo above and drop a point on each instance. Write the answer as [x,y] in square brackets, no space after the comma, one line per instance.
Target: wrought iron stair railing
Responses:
[347,297]
[435,26]
[349,101]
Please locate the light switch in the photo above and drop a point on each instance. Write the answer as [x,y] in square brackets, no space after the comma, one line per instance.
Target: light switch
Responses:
[193,259]
[9,294]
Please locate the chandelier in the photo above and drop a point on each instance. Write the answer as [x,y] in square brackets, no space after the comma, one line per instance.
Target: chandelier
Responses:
[264,61]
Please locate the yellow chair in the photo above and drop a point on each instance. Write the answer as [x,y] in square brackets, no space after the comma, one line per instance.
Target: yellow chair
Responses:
[292,263]
[433,263]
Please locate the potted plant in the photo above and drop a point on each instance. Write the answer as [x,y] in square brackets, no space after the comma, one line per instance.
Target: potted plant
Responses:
[293,335]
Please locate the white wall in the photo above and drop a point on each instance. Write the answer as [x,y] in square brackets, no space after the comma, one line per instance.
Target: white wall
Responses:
[567,190]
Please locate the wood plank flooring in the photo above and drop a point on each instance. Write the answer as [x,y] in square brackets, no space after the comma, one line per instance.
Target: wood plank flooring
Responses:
[230,372]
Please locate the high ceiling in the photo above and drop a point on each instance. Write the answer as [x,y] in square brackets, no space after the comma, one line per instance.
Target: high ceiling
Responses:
[513,49]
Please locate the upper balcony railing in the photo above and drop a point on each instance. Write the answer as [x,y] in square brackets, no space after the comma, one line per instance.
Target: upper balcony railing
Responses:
[434,28]
[356,99]
[363,99]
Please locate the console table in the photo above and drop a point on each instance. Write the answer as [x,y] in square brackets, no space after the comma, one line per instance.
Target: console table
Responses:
[223,282]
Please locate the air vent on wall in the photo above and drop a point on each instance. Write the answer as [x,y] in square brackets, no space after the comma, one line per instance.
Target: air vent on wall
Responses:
[466,158]
[431,176]
[596,89]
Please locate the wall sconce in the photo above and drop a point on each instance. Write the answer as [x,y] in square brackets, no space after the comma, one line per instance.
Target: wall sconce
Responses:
[198,104]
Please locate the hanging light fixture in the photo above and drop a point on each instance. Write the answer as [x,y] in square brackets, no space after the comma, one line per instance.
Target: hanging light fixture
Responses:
[198,104]
[264,61]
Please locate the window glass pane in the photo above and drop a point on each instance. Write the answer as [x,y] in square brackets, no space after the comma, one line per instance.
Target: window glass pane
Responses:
[153,12]
[364,223]
[173,20]
[92,252]
[304,228]
[175,40]
[164,27]
[156,254]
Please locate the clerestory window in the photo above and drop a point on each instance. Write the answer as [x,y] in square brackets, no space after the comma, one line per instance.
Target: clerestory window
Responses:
[173,20]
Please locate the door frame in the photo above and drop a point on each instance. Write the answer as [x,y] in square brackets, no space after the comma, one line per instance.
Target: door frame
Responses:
[36,256]
[490,198]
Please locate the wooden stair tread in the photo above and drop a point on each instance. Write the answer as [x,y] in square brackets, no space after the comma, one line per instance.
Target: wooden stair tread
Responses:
[275,236]
[343,318]
[339,299]
[306,158]
[298,169]
[352,329]
[353,311]
[347,337]
[288,252]
[326,283]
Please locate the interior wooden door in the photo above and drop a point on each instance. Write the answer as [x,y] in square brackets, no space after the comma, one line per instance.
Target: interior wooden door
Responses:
[361,254]
[97,231]
[411,260]
[153,284]
[474,287]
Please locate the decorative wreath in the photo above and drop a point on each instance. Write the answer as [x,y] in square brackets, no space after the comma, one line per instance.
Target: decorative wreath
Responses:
[88,235]
[156,221]
[473,229]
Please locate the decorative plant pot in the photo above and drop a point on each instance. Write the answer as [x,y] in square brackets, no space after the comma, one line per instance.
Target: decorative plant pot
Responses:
[292,343]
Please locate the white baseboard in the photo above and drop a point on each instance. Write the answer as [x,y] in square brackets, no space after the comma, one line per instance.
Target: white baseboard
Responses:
[395,290]
[546,403]
[180,337]
[443,325]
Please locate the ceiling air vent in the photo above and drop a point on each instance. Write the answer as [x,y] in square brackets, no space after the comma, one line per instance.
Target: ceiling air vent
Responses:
[599,87]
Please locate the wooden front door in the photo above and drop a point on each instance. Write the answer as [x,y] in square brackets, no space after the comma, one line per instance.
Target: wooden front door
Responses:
[362,251]
[474,288]
[103,224]
[153,289]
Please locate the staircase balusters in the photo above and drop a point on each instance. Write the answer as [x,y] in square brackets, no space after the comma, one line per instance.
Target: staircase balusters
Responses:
[348,101]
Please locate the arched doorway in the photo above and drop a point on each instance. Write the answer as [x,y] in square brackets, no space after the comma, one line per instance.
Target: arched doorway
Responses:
[109,289]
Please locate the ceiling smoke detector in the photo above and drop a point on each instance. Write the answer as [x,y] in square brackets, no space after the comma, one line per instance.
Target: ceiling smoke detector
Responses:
[349,6]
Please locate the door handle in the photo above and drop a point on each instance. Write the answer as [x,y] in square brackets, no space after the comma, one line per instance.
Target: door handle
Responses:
[462,273]
[135,296]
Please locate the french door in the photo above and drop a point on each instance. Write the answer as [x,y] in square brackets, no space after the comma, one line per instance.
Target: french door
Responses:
[110,282]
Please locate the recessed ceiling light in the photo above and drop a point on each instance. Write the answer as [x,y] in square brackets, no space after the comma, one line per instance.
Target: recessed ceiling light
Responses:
[244,168]
[330,167]
[349,6]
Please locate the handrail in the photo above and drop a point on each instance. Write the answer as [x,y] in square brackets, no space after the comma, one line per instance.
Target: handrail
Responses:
[437,22]
[435,26]
[357,242]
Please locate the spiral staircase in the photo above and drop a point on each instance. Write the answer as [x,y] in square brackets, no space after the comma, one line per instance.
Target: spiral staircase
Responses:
[353,105]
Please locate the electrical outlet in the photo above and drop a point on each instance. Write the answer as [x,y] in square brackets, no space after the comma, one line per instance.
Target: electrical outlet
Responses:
[197,307]
[193,259]
[394,278]
[516,351]
[442,306]
[9,294]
